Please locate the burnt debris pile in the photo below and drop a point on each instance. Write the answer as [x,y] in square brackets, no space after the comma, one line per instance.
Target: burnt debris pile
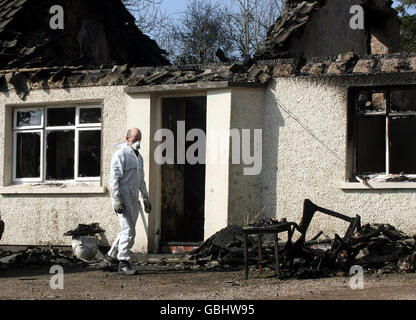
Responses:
[226,247]
[382,246]
[377,248]
[85,230]
[39,257]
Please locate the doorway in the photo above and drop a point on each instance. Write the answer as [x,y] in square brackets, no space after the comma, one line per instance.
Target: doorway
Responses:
[183,185]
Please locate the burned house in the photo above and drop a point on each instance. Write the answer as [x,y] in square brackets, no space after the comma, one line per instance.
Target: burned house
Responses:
[94,34]
[335,110]
[316,28]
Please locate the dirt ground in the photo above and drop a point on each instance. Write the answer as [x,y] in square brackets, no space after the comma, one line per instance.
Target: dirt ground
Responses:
[166,284]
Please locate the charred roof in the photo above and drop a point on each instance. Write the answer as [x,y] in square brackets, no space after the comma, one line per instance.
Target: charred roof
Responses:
[235,74]
[284,38]
[291,23]
[95,33]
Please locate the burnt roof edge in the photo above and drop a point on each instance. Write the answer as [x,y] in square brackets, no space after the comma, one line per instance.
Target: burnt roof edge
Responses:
[196,86]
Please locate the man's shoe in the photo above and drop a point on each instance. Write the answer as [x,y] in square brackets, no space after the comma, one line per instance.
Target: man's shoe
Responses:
[125,269]
[109,263]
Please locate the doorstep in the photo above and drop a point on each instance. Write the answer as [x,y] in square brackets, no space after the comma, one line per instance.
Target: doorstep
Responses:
[178,247]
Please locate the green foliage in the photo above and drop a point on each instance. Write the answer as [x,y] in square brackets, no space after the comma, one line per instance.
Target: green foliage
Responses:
[408,27]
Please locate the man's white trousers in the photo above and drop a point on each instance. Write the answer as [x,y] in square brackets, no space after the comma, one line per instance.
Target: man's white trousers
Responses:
[121,248]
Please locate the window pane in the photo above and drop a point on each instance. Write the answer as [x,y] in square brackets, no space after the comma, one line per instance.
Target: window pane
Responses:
[403,145]
[60,155]
[403,100]
[89,154]
[29,118]
[28,155]
[61,117]
[371,148]
[90,115]
[371,101]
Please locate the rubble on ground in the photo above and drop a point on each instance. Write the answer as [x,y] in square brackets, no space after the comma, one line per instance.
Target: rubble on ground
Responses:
[85,230]
[226,247]
[375,247]
[39,257]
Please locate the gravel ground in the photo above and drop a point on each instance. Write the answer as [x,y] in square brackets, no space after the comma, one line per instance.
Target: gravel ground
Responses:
[160,283]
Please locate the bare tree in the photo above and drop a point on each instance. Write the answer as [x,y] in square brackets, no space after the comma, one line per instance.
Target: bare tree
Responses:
[200,32]
[236,27]
[151,19]
[248,22]
[148,13]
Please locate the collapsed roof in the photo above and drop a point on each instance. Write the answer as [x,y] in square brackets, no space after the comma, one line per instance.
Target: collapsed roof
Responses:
[296,14]
[285,37]
[95,33]
[202,76]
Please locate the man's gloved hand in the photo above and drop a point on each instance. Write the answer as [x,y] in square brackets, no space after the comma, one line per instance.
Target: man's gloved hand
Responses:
[147,206]
[118,207]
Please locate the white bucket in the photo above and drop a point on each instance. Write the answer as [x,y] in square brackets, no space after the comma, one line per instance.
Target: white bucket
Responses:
[85,247]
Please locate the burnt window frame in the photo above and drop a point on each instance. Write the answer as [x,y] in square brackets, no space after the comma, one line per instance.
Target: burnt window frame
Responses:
[353,136]
[43,130]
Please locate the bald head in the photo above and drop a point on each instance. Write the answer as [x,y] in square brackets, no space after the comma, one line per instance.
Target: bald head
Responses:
[133,135]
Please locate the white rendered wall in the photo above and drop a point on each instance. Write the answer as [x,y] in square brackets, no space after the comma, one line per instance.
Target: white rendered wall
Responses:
[217,174]
[35,215]
[308,153]
[138,112]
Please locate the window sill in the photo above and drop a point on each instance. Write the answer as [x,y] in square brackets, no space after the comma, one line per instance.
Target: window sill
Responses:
[53,189]
[371,185]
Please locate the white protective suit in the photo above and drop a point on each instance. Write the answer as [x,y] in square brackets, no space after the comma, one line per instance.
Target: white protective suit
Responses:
[126,182]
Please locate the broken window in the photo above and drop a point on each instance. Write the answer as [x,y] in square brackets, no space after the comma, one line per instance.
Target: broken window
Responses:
[58,117]
[90,115]
[28,118]
[27,154]
[371,145]
[66,144]
[89,156]
[371,102]
[385,132]
[60,146]
[403,100]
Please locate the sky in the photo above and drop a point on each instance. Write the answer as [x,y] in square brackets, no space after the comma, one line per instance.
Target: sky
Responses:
[174,6]
[177,6]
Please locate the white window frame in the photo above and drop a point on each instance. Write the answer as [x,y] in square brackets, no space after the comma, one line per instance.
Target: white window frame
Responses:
[86,125]
[42,121]
[44,129]
[76,162]
[26,180]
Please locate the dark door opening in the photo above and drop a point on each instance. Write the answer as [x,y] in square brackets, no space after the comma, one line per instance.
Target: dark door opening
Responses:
[183,185]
